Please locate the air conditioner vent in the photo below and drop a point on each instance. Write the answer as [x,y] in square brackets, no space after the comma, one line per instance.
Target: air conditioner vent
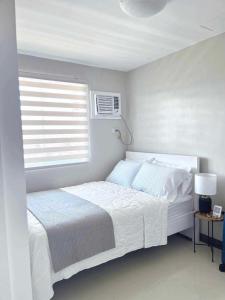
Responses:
[105,105]
[116,103]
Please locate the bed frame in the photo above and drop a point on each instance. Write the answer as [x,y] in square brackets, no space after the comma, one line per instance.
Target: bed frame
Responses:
[182,224]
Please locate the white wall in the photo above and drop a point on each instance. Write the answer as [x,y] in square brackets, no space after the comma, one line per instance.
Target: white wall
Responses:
[177,105]
[15,280]
[106,150]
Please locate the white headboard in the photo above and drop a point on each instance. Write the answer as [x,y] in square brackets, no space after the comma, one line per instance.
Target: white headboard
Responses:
[190,161]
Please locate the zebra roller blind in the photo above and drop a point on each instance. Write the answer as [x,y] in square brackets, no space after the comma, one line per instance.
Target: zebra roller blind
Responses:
[54,122]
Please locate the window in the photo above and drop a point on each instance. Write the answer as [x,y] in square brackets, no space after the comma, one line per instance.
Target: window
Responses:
[54,122]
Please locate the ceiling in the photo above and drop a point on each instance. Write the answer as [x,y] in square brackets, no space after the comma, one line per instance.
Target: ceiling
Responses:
[98,33]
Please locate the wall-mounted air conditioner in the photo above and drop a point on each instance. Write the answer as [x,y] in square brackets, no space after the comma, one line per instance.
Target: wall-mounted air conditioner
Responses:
[105,105]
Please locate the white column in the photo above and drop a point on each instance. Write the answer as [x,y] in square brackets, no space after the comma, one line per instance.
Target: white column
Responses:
[15,279]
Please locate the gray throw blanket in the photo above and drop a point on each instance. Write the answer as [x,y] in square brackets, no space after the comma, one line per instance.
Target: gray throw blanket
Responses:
[76,228]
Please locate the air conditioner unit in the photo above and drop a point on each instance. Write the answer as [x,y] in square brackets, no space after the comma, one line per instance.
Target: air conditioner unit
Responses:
[105,105]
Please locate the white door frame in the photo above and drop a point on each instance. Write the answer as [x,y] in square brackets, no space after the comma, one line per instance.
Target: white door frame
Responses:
[15,276]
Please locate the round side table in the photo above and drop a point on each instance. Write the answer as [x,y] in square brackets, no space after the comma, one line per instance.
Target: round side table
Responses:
[210,219]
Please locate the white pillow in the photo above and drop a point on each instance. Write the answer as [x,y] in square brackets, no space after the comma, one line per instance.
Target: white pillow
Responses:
[186,187]
[124,172]
[159,181]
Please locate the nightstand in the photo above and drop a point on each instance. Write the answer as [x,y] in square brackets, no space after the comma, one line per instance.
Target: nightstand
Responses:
[210,219]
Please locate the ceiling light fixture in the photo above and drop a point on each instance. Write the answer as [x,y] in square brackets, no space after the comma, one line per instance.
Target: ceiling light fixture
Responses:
[142,8]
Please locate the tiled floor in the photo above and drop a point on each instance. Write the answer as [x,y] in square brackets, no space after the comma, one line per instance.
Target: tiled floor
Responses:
[169,272]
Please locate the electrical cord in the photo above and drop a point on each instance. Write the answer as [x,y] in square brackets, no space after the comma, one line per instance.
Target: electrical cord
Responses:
[129,131]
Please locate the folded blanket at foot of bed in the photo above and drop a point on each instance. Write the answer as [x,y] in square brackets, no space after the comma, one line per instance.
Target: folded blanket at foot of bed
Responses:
[76,228]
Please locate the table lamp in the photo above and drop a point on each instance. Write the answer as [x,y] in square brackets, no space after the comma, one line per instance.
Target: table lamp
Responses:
[205,186]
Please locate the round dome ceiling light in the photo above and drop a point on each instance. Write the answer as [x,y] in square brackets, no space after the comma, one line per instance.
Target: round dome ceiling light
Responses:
[142,8]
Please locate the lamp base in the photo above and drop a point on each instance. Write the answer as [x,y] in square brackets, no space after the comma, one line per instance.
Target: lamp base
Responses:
[205,204]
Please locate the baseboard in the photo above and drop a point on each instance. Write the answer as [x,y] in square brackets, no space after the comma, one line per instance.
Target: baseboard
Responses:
[204,238]
[216,243]
[184,236]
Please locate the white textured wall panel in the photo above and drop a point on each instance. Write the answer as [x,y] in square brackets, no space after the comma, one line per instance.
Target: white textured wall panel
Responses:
[177,105]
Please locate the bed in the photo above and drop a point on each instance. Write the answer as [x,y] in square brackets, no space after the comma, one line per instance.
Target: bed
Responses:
[133,217]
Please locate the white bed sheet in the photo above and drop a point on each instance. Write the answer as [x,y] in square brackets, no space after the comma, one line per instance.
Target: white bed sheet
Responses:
[139,221]
[180,216]
[177,209]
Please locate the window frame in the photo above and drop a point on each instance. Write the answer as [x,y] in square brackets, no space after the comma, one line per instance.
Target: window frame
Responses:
[67,79]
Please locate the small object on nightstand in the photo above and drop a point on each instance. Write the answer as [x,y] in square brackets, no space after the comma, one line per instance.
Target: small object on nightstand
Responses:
[217,211]
[205,186]
[209,218]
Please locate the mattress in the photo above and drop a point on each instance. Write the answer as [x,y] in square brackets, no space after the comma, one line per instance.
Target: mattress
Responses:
[177,209]
[180,215]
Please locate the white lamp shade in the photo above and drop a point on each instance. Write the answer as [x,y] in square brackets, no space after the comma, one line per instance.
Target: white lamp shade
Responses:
[142,8]
[205,184]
